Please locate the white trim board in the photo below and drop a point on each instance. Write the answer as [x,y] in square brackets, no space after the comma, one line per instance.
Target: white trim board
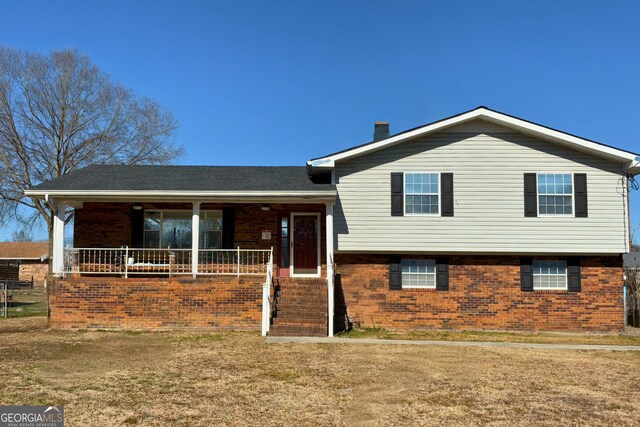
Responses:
[630,160]
[166,193]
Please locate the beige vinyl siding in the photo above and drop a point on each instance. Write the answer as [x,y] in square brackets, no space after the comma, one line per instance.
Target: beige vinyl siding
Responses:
[488,216]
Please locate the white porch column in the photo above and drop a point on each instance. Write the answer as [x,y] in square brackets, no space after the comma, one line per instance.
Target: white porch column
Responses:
[330,273]
[195,238]
[58,238]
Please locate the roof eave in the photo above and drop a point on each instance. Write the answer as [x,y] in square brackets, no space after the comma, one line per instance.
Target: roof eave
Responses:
[633,166]
[209,196]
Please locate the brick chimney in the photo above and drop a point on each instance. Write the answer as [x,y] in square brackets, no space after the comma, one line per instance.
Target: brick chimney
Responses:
[381,131]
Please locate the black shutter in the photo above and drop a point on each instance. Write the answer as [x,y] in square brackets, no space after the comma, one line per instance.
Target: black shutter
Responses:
[397,194]
[395,274]
[446,190]
[530,195]
[137,228]
[573,275]
[228,228]
[580,194]
[442,274]
[526,274]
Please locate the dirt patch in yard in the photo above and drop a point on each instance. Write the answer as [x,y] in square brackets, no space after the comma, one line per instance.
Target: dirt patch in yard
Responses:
[116,378]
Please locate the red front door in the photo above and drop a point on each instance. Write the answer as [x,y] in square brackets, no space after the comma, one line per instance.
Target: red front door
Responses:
[305,244]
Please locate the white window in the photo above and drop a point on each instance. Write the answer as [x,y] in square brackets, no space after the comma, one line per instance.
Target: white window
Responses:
[555,194]
[549,275]
[418,273]
[172,229]
[421,193]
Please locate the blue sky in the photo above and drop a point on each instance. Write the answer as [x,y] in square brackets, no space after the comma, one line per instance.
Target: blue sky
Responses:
[279,82]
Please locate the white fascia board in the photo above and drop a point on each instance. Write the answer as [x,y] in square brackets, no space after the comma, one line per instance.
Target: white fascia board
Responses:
[499,118]
[180,196]
[634,167]
[326,162]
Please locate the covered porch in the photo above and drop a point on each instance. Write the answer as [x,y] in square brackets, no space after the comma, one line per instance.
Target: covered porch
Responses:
[264,239]
[188,246]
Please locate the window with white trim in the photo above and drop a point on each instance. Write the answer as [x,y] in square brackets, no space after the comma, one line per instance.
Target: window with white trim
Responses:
[549,275]
[172,229]
[422,193]
[418,273]
[555,194]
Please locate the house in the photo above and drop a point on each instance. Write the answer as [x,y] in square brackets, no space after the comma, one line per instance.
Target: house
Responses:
[24,261]
[480,221]
[631,260]
[631,263]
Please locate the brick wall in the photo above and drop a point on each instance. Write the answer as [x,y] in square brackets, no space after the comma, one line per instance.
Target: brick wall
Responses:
[102,225]
[484,294]
[37,270]
[216,303]
[108,225]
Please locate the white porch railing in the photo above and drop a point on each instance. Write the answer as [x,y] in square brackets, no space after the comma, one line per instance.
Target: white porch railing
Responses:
[252,262]
[127,261]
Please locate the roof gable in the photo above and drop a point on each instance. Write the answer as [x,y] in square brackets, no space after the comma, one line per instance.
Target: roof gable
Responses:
[494,118]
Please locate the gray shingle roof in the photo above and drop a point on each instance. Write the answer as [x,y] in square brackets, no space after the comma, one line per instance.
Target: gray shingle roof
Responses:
[185,178]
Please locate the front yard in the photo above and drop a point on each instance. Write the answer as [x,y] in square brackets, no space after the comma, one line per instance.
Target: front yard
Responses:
[116,378]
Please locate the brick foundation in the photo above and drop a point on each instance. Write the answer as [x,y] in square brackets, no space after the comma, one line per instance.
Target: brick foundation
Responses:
[216,303]
[484,294]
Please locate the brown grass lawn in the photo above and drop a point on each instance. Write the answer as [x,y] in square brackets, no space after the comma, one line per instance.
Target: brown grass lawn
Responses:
[632,336]
[184,379]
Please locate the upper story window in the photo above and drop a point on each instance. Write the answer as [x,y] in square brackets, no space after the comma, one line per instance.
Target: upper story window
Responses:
[421,193]
[418,273]
[555,194]
[172,229]
[549,275]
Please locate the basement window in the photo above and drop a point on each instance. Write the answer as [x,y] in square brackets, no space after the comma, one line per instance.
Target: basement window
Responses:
[549,275]
[418,273]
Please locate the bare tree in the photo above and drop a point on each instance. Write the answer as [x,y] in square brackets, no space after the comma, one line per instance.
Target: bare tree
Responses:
[632,282]
[22,235]
[59,112]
